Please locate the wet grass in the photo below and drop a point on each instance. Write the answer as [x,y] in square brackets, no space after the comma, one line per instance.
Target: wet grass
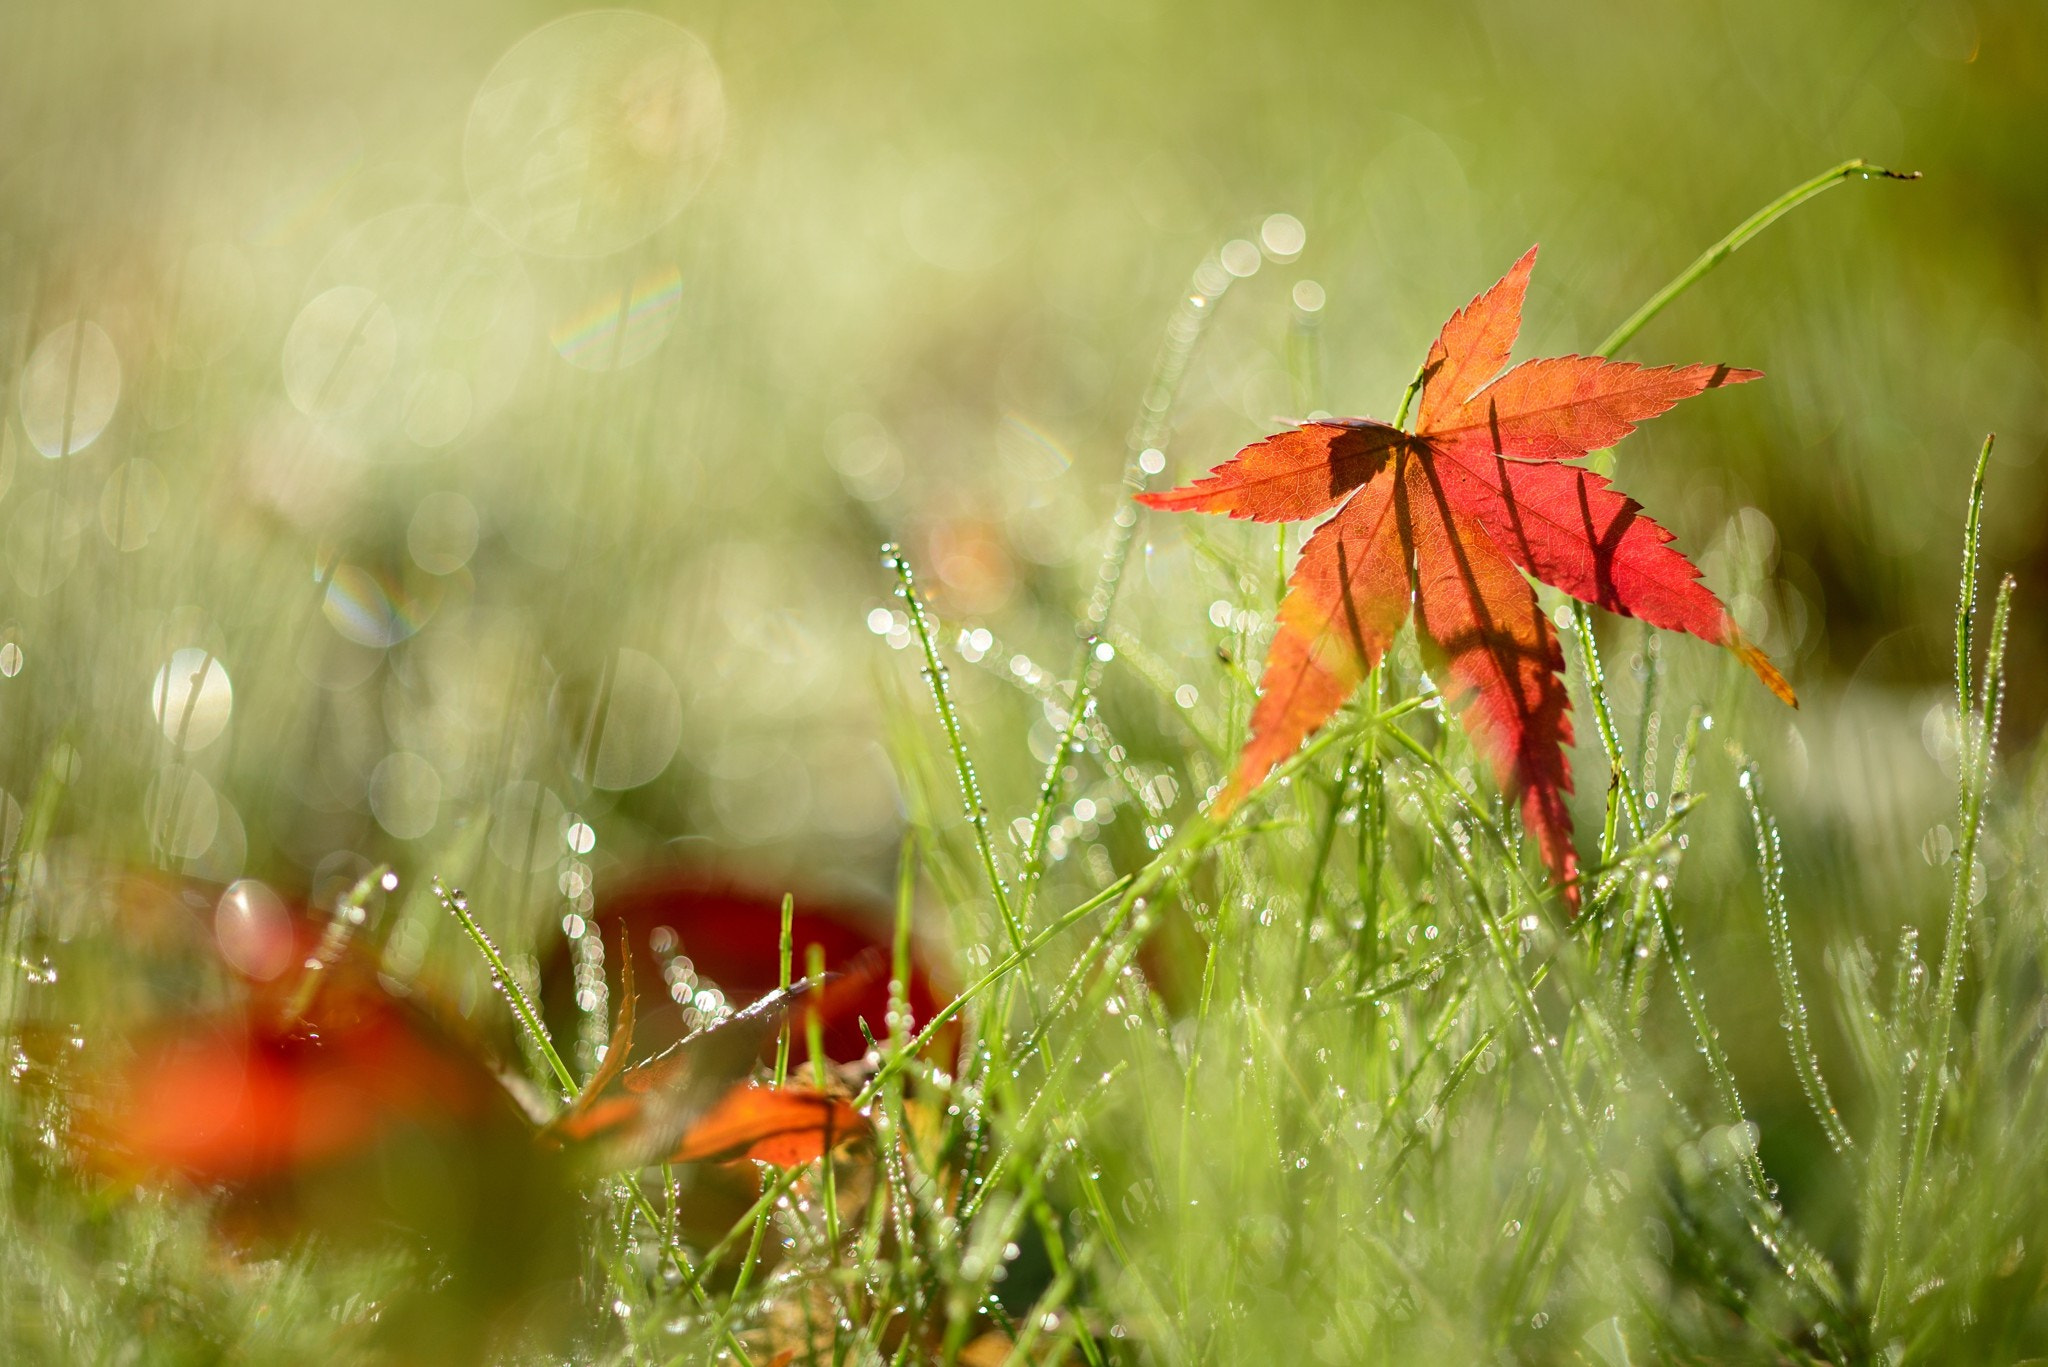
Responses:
[1334,1080]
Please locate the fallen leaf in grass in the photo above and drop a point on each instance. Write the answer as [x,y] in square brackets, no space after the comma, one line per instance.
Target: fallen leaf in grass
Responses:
[1447,519]
[326,1103]
[788,1126]
[616,1051]
[991,1349]
[325,1067]
[363,1122]
[228,1100]
[631,1116]
[729,938]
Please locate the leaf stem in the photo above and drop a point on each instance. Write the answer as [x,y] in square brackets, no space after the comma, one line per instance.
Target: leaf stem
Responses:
[1408,395]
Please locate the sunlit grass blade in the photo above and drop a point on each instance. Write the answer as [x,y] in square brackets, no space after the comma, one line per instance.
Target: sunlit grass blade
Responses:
[1770,858]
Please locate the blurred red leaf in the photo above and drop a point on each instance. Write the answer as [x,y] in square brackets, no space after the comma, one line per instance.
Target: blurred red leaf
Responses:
[731,939]
[1448,517]
[239,1097]
[360,1120]
[324,1067]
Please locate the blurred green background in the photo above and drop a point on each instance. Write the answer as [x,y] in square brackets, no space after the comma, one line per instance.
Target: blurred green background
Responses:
[502,429]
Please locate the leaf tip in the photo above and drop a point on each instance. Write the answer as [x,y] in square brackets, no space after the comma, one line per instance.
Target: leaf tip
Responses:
[1761,665]
[1229,798]
[1547,818]
[1188,498]
[1729,374]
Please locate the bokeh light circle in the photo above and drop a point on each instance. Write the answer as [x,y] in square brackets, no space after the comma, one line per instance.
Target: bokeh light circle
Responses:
[622,721]
[376,610]
[1240,258]
[182,812]
[1283,236]
[419,325]
[133,502]
[70,388]
[254,931]
[405,795]
[593,131]
[192,698]
[443,533]
[339,351]
[526,821]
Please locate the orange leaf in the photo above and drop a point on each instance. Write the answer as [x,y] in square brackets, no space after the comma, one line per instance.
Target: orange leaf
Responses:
[1288,476]
[788,1126]
[1567,406]
[1450,515]
[1573,530]
[1493,652]
[634,1116]
[1347,598]
[1474,345]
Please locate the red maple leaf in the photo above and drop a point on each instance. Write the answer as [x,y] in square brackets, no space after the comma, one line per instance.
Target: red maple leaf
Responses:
[1447,517]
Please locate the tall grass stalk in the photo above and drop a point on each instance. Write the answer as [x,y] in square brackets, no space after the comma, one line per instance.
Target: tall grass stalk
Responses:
[1977,733]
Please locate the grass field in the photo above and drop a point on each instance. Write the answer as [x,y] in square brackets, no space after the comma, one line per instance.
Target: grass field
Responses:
[463,468]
